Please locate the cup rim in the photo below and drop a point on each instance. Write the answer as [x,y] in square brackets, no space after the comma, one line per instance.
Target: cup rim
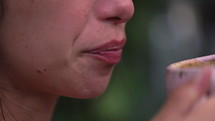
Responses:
[198,60]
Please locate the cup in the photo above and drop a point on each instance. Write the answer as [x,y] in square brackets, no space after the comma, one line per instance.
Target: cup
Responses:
[180,72]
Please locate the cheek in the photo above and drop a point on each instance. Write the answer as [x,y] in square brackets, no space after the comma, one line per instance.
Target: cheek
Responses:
[38,45]
[42,21]
[36,38]
[42,32]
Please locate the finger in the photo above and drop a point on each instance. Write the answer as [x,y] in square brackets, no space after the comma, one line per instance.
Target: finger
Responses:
[205,112]
[189,94]
[185,97]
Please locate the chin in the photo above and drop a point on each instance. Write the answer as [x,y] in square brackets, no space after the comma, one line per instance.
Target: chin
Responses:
[84,78]
[94,89]
[94,82]
[88,87]
[89,95]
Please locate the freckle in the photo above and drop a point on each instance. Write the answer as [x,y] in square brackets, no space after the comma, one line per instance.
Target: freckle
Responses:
[45,69]
[8,64]
[26,46]
[39,71]
[32,1]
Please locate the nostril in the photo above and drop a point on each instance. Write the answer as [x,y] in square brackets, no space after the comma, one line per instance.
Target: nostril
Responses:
[114,19]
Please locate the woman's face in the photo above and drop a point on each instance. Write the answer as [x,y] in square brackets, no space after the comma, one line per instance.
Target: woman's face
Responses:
[63,47]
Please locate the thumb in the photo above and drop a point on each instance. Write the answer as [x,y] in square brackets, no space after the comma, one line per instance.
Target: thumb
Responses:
[186,96]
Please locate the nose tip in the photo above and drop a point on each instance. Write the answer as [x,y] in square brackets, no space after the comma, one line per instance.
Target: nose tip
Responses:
[116,11]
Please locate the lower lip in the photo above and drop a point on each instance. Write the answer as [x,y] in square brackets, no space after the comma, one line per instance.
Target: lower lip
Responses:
[109,57]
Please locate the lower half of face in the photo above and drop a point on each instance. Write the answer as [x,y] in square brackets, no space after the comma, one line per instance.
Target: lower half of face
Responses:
[66,48]
[56,65]
[78,76]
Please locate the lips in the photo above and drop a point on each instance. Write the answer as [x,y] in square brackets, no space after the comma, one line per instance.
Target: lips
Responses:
[109,52]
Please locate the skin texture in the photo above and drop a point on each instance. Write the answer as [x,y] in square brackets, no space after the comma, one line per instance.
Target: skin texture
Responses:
[41,58]
[42,44]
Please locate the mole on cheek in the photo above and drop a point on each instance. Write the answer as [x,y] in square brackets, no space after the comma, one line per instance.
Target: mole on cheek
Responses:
[39,71]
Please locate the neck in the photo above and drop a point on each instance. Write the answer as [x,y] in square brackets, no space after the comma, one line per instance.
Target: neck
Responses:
[17,105]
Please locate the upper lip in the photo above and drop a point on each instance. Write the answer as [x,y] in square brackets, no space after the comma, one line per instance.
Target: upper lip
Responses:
[113,45]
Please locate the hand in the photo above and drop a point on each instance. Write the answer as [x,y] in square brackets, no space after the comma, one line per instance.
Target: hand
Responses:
[190,102]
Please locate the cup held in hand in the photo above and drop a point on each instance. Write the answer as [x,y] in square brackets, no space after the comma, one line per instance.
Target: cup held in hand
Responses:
[180,72]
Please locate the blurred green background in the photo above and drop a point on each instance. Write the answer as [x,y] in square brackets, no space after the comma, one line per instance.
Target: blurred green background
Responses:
[161,32]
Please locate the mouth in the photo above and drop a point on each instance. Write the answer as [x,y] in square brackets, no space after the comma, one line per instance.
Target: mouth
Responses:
[109,52]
